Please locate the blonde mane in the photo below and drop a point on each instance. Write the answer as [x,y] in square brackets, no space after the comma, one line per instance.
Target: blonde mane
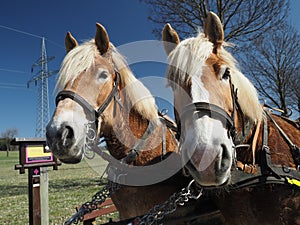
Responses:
[190,55]
[82,57]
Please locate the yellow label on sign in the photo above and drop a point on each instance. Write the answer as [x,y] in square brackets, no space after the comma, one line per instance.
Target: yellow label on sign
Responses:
[37,153]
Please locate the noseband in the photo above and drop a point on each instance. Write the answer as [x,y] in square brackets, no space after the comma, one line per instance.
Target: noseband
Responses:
[87,106]
[216,112]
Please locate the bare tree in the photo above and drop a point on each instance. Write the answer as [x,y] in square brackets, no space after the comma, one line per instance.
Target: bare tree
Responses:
[242,20]
[295,85]
[268,48]
[273,64]
[8,135]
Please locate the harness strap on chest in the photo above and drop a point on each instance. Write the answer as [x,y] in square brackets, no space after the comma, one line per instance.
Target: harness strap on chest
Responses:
[140,145]
[280,171]
[266,173]
[164,141]
[295,150]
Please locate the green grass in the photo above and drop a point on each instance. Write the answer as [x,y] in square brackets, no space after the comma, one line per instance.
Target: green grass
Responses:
[69,186]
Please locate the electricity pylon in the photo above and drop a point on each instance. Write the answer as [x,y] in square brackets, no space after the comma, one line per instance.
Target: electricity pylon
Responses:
[41,81]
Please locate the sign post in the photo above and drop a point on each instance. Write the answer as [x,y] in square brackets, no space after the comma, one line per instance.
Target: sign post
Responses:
[35,156]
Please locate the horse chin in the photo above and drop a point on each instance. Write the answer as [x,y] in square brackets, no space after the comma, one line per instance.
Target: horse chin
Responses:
[71,160]
[71,155]
[209,179]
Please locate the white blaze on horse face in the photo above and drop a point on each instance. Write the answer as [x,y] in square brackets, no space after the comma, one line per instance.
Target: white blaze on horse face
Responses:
[206,141]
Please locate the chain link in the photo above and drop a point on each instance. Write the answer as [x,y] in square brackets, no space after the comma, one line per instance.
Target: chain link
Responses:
[90,140]
[158,212]
[96,201]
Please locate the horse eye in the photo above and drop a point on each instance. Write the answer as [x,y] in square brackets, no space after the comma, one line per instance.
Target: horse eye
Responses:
[103,75]
[226,74]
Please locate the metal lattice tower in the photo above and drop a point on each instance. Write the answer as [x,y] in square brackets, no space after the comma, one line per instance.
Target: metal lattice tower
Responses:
[41,81]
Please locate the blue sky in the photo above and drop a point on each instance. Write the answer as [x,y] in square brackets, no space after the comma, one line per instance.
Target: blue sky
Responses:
[125,20]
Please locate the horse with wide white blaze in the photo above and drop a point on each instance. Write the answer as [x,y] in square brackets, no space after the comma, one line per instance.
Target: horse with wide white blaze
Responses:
[227,139]
[98,96]
[201,71]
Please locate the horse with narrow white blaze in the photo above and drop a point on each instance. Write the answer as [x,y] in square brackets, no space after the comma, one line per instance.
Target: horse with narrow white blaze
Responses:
[227,139]
[99,96]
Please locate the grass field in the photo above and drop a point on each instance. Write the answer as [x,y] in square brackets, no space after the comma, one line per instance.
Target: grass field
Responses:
[69,186]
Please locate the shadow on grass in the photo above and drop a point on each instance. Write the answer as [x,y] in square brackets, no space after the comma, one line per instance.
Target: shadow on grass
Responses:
[13,190]
[57,185]
[65,184]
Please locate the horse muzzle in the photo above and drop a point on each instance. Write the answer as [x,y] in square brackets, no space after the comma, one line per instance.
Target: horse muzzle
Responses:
[62,142]
[209,167]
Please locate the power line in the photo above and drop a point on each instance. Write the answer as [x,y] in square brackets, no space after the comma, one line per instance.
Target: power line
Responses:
[29,34]
[12,86]
[13,71]
[54,43]
[21,32]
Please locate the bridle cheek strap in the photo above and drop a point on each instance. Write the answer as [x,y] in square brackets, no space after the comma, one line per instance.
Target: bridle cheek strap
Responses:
[87,106]
[76,98]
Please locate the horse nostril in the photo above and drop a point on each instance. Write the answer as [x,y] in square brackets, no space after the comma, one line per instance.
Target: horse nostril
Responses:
[67,133]
[225,158]
[67,136]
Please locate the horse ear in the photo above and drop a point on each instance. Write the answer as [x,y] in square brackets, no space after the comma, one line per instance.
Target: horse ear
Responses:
[170,38]
[213,30]
[101,39]
[70,42]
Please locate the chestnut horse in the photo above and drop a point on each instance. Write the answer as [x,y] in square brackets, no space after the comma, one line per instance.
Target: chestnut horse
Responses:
[227,139]
[98,93]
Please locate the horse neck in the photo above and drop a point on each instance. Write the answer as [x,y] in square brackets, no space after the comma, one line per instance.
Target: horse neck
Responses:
[126,130]
[118,133]
[281,153]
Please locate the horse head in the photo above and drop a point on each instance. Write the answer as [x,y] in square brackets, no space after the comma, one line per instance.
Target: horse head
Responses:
[86,85]
[212,99]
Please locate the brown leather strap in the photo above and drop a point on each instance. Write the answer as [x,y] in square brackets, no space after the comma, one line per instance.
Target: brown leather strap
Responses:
[247,168]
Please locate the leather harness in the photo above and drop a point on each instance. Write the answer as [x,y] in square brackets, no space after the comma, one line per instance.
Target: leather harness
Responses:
[95,114]
[251,174]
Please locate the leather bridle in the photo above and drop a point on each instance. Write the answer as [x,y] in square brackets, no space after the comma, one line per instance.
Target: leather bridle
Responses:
[216,112]
[95,113]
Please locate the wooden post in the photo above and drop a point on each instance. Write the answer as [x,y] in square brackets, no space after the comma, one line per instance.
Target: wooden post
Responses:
[34,196]
[44,196]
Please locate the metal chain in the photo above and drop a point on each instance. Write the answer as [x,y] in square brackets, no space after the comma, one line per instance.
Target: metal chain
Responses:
[90,140]
[96,201]
[158,212]
[101,195]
